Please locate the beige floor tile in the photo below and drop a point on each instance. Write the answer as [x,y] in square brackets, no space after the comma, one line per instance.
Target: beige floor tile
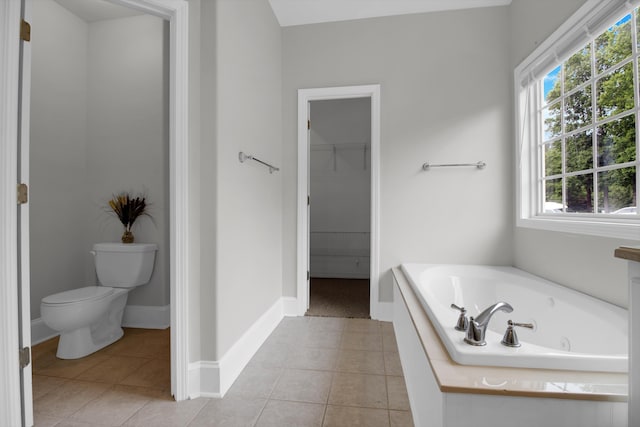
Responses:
[68,398]
[303,386]
[74,423]
[401,419]
[387,328]
[151,344]
[342,416]
[392,363]
[167,413]
[320,359]
[389,343]
[397,393]
[43,385]
[255,382]
[116,406]
[229,412]
[113,370]
[322,339]
[364,362]
[363,326]
[271,355]
[363,390]
[70,368]
[155,373]
[42,420]
[361,341]
[333,324]
[278,413]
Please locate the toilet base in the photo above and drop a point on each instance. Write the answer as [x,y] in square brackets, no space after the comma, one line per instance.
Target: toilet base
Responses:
[79,343]
[83,341]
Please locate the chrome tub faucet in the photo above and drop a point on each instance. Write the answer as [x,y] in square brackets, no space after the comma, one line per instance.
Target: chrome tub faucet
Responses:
[478,325]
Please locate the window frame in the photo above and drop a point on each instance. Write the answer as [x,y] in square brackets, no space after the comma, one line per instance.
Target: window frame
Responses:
[594,17]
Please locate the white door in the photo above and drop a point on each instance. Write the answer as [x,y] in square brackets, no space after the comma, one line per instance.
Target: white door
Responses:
[24,290]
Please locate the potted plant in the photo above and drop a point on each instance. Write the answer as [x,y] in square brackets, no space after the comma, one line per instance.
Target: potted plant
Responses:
[128,209]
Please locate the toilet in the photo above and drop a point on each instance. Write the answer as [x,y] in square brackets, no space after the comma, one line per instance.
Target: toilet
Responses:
[90,318]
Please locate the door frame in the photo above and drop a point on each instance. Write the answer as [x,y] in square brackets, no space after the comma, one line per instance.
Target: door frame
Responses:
[305,96]
[10,394]
[177,13]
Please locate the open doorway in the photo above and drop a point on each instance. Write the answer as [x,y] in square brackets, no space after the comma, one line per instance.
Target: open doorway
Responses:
[333,151]
[340,207]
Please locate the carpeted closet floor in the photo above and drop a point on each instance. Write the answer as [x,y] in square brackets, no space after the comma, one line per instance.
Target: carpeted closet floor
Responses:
[339,298]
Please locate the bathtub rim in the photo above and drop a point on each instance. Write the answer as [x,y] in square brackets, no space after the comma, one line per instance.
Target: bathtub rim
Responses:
[523,382]
[467,355]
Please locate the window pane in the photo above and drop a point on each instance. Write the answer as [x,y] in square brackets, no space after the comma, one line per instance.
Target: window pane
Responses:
[617,141]
[552,158]
[551,117]
[580,193]
[553,195]
[616,191]
[577,110]
[577,69]
[615,92]
[614,45]
[579,149]
[551,86]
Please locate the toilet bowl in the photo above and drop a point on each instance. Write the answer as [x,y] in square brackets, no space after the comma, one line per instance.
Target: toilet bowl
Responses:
[90,318]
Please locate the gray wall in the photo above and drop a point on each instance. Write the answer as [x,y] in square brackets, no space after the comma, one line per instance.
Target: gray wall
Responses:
[58,199]
[445,96]
[580,262]
[241,203]
[99,126]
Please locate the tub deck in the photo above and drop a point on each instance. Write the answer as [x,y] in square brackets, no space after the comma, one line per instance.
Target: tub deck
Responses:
[541,383]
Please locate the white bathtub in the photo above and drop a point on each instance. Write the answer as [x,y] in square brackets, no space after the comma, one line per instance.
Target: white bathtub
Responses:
[572,331]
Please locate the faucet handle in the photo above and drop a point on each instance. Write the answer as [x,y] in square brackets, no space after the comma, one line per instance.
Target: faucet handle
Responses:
[463,322]
[510,338]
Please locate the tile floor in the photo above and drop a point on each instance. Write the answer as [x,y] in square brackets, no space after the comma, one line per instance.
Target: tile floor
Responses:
[311,371]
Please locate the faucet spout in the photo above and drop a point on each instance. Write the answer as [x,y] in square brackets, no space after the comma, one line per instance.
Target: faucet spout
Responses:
[478,326]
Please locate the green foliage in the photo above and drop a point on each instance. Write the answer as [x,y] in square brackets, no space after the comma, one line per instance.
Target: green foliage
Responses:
[615,141]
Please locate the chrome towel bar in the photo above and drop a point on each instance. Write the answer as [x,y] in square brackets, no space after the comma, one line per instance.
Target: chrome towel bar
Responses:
[242,157]
[479,165]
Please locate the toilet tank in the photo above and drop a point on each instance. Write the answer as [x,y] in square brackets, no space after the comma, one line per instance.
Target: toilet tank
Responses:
[124,265]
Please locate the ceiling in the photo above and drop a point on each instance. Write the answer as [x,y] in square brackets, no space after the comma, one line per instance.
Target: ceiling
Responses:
[97,10]
[300,12]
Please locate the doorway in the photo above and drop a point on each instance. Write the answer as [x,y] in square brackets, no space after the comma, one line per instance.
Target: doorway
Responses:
[340,207]
[338,244]
[99,127]
[177,14]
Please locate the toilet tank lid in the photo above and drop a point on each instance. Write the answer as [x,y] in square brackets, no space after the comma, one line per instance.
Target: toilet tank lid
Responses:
[125,247]
[79,294]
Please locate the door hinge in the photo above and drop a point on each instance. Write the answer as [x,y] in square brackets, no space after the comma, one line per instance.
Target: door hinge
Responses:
[23,194]
[308,124]
[308,275]
[25,31]
[25,357]
[308,200]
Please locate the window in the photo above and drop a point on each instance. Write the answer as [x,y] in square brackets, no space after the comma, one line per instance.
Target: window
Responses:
[578,99]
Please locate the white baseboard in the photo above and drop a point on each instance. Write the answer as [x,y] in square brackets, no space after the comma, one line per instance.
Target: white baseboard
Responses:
[290,306]
[147,316]
[214,378]
[135,316]
[41,332]
[384,311]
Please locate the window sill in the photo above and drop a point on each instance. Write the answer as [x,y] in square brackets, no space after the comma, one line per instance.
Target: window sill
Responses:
[585,226]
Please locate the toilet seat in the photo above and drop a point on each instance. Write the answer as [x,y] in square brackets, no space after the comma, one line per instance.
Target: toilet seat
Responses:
[77,295]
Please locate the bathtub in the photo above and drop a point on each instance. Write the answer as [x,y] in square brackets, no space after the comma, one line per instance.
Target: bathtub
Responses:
[572,331]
